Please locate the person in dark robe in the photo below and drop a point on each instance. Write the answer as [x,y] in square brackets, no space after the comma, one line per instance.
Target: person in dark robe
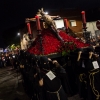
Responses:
[34,76]
[1,62]
[72,75]
[82,77]
[51,84]
[62,75]
[93,72]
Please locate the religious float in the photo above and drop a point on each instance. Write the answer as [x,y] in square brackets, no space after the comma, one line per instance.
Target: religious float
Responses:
[76,56]
[51,41]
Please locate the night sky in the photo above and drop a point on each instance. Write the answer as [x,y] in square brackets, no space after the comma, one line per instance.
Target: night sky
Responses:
[14,12]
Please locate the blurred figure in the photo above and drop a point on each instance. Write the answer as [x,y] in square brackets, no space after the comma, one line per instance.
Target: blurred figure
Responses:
[1,62]
[51,84]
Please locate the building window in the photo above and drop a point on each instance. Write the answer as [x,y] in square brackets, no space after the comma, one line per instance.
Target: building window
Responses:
[73,23]
[59,23]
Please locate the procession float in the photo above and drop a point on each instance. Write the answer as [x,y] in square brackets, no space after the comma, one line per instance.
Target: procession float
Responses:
[50,40]
[71,53]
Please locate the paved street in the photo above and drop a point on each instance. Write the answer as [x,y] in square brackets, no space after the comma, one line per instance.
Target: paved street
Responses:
[12,89]
[9,87]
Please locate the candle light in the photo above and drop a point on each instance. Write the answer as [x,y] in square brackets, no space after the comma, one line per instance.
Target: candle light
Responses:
[29,29]
[66,23]
[83,16]
[38,23]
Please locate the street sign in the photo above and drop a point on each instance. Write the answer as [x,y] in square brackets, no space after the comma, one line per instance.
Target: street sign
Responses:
[98,24]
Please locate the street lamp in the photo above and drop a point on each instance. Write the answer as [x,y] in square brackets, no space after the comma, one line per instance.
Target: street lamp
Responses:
[46,13]
[18,34]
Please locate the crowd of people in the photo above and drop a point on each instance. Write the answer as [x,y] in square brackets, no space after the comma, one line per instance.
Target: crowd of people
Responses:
[8,59]
[59,78]
[43,78]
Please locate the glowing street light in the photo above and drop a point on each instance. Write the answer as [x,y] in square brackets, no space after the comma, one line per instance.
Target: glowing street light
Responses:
[19,37]
[46,13]
[18,34]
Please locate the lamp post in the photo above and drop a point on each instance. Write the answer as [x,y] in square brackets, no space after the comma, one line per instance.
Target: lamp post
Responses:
[46,13]
[19,36]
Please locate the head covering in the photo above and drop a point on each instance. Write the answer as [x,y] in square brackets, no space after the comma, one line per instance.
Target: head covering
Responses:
[44,63]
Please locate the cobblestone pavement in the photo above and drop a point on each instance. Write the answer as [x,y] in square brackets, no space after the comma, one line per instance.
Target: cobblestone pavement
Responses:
[11,89]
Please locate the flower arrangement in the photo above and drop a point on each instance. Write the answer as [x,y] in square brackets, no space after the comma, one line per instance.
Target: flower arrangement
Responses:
[68,47]
[51,45]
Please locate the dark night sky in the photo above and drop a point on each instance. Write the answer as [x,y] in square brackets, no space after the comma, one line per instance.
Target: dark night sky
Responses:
[14,12]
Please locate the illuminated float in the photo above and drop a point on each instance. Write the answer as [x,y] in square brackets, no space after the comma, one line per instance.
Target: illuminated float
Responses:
[51,41]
